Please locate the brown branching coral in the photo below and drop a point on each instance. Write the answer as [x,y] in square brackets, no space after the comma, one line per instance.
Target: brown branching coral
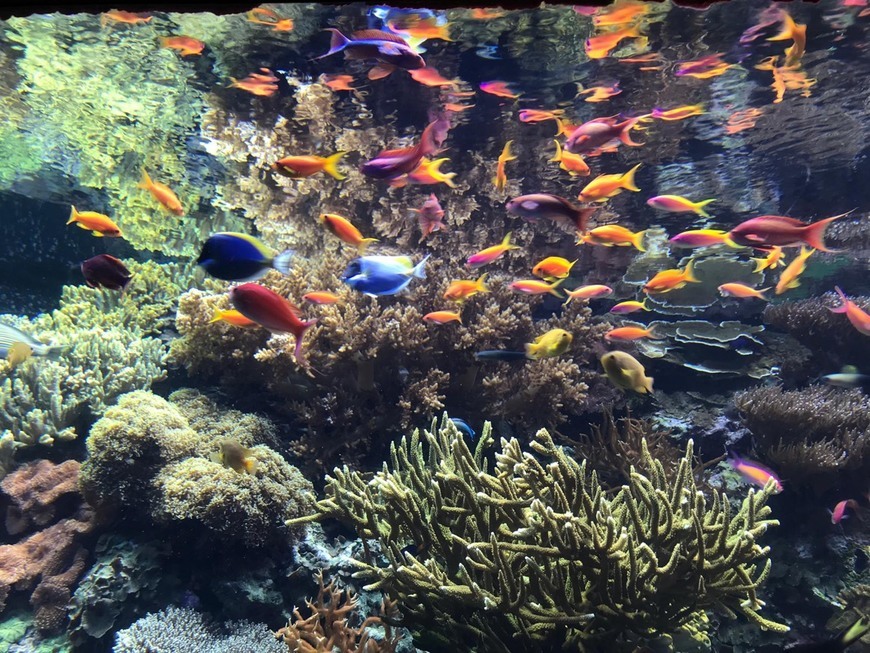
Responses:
[814,437]
[328,628]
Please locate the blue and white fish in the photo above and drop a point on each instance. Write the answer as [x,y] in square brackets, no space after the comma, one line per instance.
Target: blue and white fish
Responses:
[383,275]
[463,427]
[240,257]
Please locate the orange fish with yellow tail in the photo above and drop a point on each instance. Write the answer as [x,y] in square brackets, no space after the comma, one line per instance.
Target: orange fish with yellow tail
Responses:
[232,316]
[307,165]
[98,224]
[573,164]
[611,235]
[859,318]
[604,187]
[789,278]
[461,289]
[668,280]
[186,45]
[344,229]
[500,179]
[162,193]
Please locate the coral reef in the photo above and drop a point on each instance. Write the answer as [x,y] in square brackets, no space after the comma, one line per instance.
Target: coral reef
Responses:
[328,627]
[144,457]
[817,437]
[183,629]
[532,552]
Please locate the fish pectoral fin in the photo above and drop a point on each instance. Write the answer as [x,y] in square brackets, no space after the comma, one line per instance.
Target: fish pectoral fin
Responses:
[96,233]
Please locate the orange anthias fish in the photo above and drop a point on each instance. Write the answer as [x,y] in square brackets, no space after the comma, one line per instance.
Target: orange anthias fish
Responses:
[668,280]
[98,224]
[536,287]
[703,68]
[121,16]
[430,217]
[611,235]
[263,84]
[486,13]
[741,120]
[600,93]
[429,172]
[574,164]
[859,318]
[628,333]
[540,115]
[588,292]
[429,76]
[741,291]
[263,16]
[162,193]
[337,82]
[769,262]
[553,267]
[499,89]
[233,317]
[422,28]
[500,179]
[321,297]
[797,34]
[307,165]
[678,113]
[186,45]
[755,473]
[456,108]
[443,317]
[344,229]
[598,47]
[620,13]
[461,289]
[789,278]
[604,187]
[490,254]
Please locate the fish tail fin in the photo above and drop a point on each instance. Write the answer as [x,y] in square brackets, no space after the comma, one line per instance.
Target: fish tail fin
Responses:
[337,43]
[419,270]
[788,29]
[531,351]
[558,155]
[699,208]
[53,352]
[760,263]
[506,241]
[553,286]
[627,181]
[330,166]
[644,306]
[814,234]
[73,215]
[637,240]
[689,272]
[447,178]
[842,308]
[647,384]
[581,219]
[481,282]
[250,465]
[216,316]
[364,244]
[297,351]
[761,292]
[282,261]
[146,180]
[625,132]
[855,632]
[508,155]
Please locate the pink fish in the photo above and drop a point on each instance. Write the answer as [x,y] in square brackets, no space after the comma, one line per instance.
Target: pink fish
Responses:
[430,216]
[590,137]
[390,164]
[754,472]
[838,514]
[777,230]
[859,318]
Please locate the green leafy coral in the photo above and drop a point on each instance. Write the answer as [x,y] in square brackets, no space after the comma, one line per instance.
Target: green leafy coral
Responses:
[536,551]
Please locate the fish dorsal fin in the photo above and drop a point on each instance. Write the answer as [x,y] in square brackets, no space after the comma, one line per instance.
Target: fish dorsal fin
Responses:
[371,34]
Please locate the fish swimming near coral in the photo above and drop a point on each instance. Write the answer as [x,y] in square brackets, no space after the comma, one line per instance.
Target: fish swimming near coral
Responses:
[626,372]
[463,427]
[859,318]
[771,261]
[264,16]
[553,267]
[554,342]
[754,472]
[428,172]
[672,279]
[430,217]
[162,193]
[383,275]
[461,289]
[98,224]
[345,231]
[539,206]
[848,377]
[233,317]
[630,306]
[678,113]
[390,164]
[536,287]
[104,271]
[443,317]
[9,336]
[272,312]
[767,231]
[741,291]
[18,353]
[321,297]
[611,235]
[186,45]
[627,333]
[594,291]
[839,643]
[790,277]
[604,187]
[679,204]
[592,136]
[240,257]
[573,164]
[236,457]
[500,179]
[700,238]
[490,254]
[306,165]
[380,46]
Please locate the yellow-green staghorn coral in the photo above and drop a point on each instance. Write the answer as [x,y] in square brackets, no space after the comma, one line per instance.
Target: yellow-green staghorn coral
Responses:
[533,550]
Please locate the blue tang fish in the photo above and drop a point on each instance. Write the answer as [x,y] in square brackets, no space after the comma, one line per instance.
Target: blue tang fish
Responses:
[239,257]
[382,275]
[463,427]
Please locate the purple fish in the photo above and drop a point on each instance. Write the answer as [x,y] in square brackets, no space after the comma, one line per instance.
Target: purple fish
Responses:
[589,137]
[107,272]
[543,205]
[390,164]
[430,217]
[374,44]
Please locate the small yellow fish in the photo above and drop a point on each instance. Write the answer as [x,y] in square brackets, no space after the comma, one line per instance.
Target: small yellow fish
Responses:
[18,353]
[572,163]
[769,262]
[232,316]
[461,289]
[604,187]
[236,457]
[789,277]
[500,179]
[553,267]
[613,234]
[553,343]
[626,372]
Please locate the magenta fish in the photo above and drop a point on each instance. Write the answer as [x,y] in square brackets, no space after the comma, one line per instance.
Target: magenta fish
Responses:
[430,217]
[104,271]
[754,472]
[768,231]
[838,514]
[390,164]
[383,47]
[591,136]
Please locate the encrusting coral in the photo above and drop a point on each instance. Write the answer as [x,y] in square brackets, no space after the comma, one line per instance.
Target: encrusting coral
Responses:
[535,552]
[144,458]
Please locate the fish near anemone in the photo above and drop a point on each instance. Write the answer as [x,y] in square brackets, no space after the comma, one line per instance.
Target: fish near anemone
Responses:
[490,254]
[500,179]
[611,235]
[837,644]
[755,473]
[233,317]
[604,187]
[443,317]
[591,136]
[430,217]
[536,287]
[678,113]
[499,89]
[272,312]
[162,193]
[296,167]
[104,271]
[700,238]
[573,164]
[186,45]
[848,377]
[553,267]
[668,280]
[9,336]
[678,204]
[626,372]
[859,318]
[321,297]
[238,458]
[383,47]
[390,164]
[538,206]
[234,256]
[346,232]
[789,279]
[98,224]
[742,291]
[767,231]
[459,290]
[594,291]
[554,342]
[383,275]
[629,306]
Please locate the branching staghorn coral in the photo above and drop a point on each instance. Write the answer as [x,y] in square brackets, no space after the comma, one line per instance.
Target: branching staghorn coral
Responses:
[815,437]
[532,551]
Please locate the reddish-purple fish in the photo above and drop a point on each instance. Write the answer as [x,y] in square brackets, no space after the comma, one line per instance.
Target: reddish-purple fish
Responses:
[543,205]
[754,472]
[838,514]
[589,137]
[430,217]
[390,164]
[768,231]
[104,271]
[374,44]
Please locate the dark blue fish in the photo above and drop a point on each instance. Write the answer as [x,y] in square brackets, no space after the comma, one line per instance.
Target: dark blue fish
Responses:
[382,275]
[464,428]
[239,257]
[500,355]
[381,46]
[104,271]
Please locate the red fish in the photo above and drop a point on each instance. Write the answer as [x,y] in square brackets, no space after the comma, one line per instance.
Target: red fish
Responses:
[595,134]
[106,271]
[121,16]
[263,85]
[390,164]
[263,16]
[271,311]
[430,217]
[766,231]
[338,82]
[429,76]
[499,89]
[838,514]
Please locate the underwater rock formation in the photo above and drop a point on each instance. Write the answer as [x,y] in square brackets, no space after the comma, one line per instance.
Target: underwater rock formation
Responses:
[536,552]
[145,460]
